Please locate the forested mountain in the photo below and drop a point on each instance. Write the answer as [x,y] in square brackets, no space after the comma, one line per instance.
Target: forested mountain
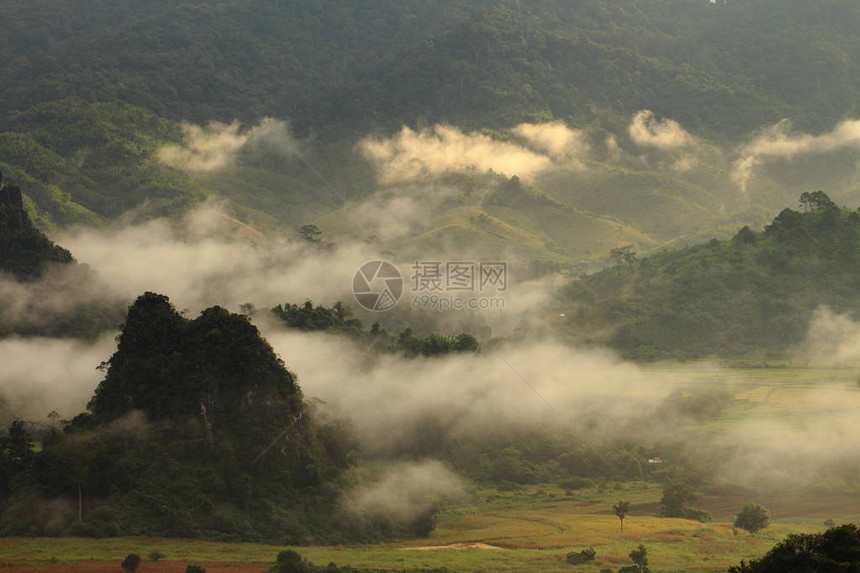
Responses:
[24,251]
[46,292]
[91,90]
[753,295]
[718,67]
[197,430]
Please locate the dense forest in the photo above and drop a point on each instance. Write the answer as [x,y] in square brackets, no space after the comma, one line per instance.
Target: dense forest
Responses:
[491,62]
[186,436]
[87,102]
[751,296]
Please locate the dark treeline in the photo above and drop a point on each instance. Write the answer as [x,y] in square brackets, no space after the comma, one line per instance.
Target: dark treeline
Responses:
[339,319]
[835,550]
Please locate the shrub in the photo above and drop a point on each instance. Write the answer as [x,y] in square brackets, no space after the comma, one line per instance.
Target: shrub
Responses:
[583,556]
[290,561]
[131,562]
[698,514]
[753,517]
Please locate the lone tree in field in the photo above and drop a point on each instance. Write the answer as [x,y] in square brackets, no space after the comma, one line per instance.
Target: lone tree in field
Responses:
[131,562]
[753,517]
[310,234]
[621,509]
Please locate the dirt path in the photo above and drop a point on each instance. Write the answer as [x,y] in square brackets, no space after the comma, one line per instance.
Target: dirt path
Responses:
[455,546]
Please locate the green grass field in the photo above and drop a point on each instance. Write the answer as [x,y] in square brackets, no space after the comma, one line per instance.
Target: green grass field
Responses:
[531,529]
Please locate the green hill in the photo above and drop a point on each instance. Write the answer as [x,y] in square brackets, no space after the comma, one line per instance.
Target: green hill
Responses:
[483,63]
[751,296]
[197,430]
[24,251]
[48,293]
[91,89]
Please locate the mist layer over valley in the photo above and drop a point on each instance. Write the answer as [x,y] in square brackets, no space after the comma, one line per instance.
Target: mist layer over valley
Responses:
[547,284]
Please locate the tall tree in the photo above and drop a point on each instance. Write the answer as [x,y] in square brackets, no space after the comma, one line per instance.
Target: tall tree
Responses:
[621,509]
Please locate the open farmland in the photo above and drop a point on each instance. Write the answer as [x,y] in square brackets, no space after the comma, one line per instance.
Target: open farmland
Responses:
[532,531]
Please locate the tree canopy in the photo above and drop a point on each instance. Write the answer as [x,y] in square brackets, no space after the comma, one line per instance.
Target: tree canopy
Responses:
[197,430]
[836,550]
[753,295]
[753,517]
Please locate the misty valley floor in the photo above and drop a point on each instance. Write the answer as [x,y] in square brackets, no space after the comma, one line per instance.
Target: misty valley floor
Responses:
[534,527]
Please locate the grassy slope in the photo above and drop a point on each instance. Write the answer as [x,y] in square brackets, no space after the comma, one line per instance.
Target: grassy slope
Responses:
[526,224]
[751,296]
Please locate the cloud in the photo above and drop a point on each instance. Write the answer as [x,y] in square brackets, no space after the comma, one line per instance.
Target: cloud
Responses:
[833,339]
[778,142]
[208,258]
[467,394]
[647,131]
[44,374]
[202,259]
[613,148]
[556,140]
[197,262]
[64,293]
[662,145]
[403,210]
[218,145]
[414,154]
[810,442]
[603,398]
[406,491]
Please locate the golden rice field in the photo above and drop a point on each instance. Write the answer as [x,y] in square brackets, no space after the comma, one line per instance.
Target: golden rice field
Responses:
[533,535]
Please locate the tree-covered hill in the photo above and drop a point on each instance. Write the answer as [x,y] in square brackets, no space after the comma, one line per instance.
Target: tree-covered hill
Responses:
[753,295]
[197,430]
[717,68]
[90,90]
[24,251]
[46,291]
